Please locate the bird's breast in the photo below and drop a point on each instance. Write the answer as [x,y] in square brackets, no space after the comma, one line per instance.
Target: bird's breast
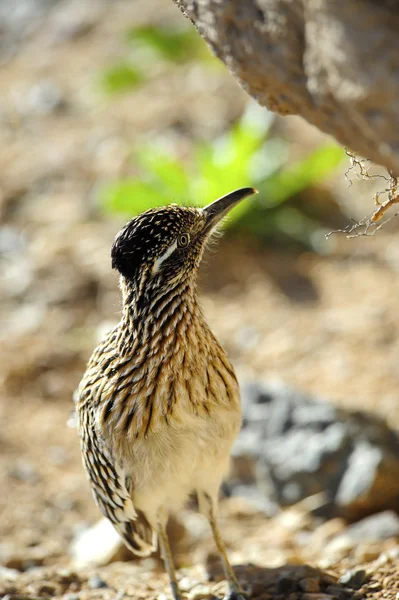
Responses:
[175,379]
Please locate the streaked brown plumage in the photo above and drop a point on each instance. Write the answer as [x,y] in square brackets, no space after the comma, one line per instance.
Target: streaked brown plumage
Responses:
[159,404]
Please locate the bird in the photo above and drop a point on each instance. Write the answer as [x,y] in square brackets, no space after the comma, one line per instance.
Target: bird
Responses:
[158,408]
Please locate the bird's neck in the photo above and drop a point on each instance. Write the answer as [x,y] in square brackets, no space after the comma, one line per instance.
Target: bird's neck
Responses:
[165,366]
[157,317]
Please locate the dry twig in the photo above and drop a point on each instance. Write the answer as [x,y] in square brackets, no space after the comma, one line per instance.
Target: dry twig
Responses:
[367,226]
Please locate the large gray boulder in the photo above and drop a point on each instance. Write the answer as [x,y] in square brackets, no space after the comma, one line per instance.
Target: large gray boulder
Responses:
[293,446]
[335,63]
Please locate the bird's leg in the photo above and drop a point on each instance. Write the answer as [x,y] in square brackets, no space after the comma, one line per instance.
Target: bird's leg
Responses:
[168,560]
[207,506]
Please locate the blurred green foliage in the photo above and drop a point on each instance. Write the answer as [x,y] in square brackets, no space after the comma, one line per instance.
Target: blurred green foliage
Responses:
[174,44]
[148,46]
[120,77]
[243,156]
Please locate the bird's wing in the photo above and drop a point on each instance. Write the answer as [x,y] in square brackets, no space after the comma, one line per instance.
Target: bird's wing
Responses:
[111,491]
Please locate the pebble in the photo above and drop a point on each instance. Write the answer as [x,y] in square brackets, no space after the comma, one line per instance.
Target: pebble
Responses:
[66,574]
[328,579]
[375,528]
[95,582]
[6,573]
[24,471]
[298,446]
[257,588]
[199,592]
[285,585]
[310,585]
[45,97]
[317,597]
[58,455]
[11,240]
[353,579]
[339,593]
[24,597]
[99,545]
[71,597]
[47,589]
[389,556]
[186,584]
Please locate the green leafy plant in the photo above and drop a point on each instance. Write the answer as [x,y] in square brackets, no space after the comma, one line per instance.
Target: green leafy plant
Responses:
[170,43]
[120,77]
[242,156]
[148,46]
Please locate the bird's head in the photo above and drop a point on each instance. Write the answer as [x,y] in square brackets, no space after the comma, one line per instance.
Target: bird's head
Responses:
[163,246]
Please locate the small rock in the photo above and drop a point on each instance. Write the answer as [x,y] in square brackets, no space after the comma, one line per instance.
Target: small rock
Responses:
[284,585]
[199,592]
[390,555]
[71,30]
[99,545]
[247,337]
[47,589]
[6,573]
[339,593]
[95,582]
[293,446]
[11,240]
[14,563]
[66,575]
[336,549]
[72,421]
[328,579]
[257,589]
[45,97]
[70,597]
[186,584]
[58,455]
[370,474]
[312,584]
[364,553]
[353,579]
[317,597]
[374,528]
[24,597]
[72,20]
[24,471]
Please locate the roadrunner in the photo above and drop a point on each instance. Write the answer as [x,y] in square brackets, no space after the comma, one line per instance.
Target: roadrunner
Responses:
[159,405]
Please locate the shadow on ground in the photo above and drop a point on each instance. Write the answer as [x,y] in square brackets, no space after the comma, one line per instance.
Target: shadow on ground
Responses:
[289,581]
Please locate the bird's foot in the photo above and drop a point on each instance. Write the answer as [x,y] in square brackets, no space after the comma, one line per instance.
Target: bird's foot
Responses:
[176,594]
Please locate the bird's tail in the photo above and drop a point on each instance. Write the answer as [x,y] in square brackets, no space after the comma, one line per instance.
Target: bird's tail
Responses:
[138,535]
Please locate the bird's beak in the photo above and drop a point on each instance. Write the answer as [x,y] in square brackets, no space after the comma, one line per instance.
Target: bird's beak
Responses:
[218,209]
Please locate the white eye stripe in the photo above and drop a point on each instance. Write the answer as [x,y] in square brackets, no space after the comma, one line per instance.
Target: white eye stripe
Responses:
[161,259]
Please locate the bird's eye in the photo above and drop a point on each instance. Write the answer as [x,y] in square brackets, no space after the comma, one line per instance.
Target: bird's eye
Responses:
[183,240]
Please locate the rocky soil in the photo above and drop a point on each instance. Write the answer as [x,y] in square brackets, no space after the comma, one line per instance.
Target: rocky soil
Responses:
[325,325]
